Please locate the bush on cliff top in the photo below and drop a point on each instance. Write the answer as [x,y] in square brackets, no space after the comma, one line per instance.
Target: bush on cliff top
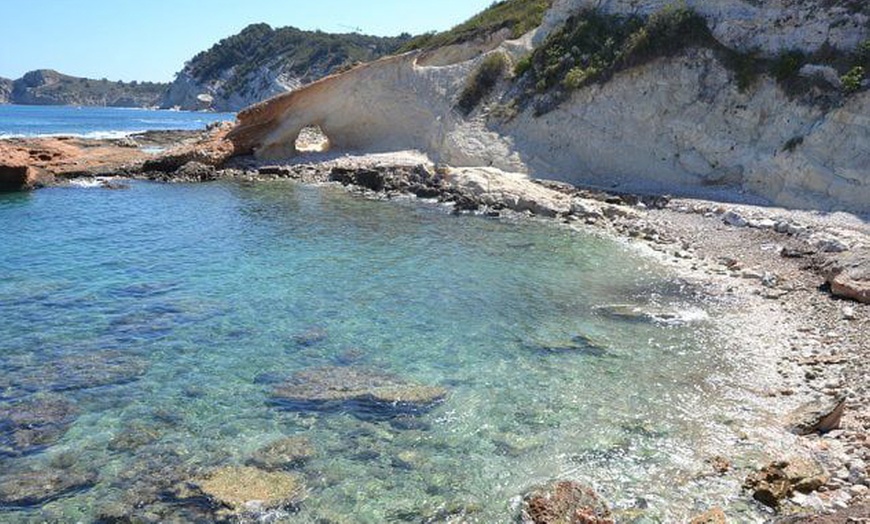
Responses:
[482,82]
[520,16]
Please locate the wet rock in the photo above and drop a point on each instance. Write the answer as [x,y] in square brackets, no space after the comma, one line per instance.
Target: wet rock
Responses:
[778,481]
[819,416]
[367,393]
[83,370]
[849,276]
[29,488]
[32,424]
[23,177]
[195,172]
[286,453]
[564,502]
[238,491]
[714,516]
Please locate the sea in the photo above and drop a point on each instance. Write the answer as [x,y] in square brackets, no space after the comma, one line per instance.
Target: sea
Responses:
[97,122]
[146,334]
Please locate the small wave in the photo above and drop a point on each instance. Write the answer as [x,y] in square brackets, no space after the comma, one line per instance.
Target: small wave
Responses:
[95,135]
[86,183]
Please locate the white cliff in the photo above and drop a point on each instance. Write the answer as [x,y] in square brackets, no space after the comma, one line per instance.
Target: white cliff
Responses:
[676,124]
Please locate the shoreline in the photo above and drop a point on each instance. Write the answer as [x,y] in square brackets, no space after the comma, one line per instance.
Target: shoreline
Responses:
[762,268]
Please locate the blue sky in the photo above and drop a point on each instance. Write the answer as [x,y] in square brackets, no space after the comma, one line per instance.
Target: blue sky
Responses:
[151,39]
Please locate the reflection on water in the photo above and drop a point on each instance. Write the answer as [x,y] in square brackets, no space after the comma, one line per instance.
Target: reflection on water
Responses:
[404,364]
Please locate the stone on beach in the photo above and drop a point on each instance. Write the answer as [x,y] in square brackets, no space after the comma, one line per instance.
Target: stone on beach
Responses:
[819,416]
[367,393]
[849,276]
[778,481]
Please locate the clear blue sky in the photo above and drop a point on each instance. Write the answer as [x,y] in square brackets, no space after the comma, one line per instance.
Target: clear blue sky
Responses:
[151,39]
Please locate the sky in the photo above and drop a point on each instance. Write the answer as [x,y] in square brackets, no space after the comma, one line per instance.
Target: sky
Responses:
[150,40]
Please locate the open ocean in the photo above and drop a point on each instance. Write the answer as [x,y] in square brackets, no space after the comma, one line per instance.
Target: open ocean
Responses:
[97,122]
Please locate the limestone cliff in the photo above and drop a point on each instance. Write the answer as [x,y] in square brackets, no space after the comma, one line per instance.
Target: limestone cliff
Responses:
[681,122]
[261,62]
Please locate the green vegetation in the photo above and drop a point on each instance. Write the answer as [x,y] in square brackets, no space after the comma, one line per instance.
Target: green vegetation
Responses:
[306,53]
[482,82]
[592,46]
[852,79]
[519,16]
[792,144]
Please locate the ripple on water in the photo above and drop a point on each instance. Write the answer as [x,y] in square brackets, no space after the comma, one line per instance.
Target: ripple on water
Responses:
[401,363]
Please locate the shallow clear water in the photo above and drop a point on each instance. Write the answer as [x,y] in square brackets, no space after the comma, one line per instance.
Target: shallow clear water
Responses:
[212,285]
[97,122]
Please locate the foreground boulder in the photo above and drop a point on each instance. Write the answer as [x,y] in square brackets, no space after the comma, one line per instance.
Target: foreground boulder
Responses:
[849,276]
[778,481]
[564,502]
[819,416]
[367,393]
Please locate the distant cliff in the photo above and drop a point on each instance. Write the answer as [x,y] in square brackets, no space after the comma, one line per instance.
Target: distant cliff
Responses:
[5,90]
[48,87]
[261,62]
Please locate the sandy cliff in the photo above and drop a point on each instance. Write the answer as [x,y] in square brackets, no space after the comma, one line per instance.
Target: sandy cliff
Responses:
[676,124]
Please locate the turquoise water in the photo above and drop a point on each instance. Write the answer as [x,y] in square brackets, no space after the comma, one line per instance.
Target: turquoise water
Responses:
[97,122]
[214,292]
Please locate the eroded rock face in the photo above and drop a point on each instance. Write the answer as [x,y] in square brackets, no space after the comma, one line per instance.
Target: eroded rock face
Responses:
[30,488]
[366,393]
[564,502]
[22,177]
[32,424]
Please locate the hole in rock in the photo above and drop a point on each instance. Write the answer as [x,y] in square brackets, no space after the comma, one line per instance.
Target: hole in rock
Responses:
[312,139]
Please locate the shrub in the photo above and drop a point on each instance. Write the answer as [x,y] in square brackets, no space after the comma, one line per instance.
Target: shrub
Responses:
[853,79]
[482,82]
[787,65]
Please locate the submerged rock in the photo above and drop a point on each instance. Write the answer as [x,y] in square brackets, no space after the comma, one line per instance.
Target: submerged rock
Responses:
[30,488]
[564,502]
[366,393]
[310,337]
[819,416]
[579,344]
[81,371]
[32,424]
[285,453]
[237,491]
[652,314]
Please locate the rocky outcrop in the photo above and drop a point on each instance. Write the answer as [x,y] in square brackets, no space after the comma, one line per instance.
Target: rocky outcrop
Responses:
[819,416]
[29,488]
[237,493]
[678,124]
[18,177]
[48,87]
[778,481]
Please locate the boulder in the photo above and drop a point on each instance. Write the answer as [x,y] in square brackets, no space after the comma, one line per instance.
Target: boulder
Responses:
[367,393]
[564,502]
[778,481]
[29,488]
[819,416]
[849,275]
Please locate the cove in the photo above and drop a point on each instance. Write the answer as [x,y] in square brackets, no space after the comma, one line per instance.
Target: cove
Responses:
[427,366]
